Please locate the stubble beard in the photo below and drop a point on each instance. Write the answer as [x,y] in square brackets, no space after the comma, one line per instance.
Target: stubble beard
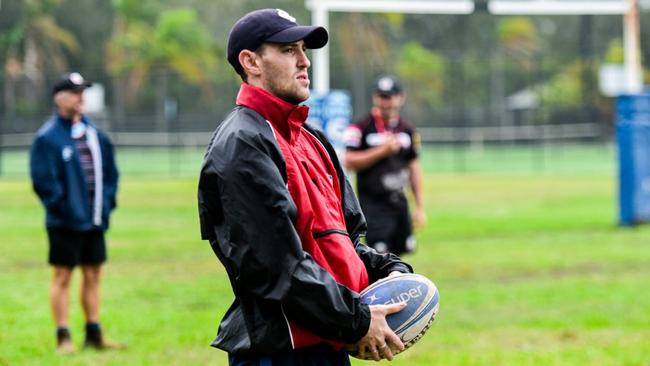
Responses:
[292,93]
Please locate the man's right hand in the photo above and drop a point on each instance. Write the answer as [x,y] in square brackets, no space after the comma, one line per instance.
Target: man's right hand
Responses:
[380,340]
[391,145]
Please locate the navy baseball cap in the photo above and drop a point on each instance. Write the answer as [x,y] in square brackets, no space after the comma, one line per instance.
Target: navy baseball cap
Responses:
[270,25]
[72,81]
[388,85]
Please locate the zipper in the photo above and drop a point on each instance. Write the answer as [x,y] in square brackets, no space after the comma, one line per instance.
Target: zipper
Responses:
[321,234]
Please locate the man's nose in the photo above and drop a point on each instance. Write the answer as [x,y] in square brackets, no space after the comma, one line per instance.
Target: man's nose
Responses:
[303,59]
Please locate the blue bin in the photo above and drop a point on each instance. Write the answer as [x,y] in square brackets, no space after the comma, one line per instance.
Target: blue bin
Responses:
[633,140]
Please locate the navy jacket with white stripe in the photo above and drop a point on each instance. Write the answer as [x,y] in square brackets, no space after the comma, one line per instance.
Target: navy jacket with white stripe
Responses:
[59,181]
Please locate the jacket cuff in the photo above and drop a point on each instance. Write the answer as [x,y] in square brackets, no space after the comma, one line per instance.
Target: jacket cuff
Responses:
[362,326]
[401,267]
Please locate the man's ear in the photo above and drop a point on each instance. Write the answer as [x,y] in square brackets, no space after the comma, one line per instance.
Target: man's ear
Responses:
[402,99]
[249,61]
[56,98]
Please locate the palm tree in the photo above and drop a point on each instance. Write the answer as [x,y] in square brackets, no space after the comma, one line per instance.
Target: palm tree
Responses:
[177,43]
[34,46]
[363,42]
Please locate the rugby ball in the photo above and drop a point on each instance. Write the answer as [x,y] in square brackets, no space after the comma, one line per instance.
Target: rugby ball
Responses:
[422,299]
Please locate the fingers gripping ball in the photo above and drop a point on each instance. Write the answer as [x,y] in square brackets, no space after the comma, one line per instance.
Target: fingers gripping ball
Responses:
[421,296]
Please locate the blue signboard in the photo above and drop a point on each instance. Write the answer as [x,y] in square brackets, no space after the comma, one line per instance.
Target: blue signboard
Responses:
[331,112]
[633,139]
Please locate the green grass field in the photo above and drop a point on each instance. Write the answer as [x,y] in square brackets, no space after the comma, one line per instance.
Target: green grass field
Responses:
[531,268]
[556,159]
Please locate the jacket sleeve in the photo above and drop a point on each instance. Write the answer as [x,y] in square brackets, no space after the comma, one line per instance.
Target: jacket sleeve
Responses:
[243,193]
[46,179]
[111,174]
[378,265]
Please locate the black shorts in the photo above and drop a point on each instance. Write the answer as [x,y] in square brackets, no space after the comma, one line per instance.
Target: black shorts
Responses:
[389,229]
[70,248]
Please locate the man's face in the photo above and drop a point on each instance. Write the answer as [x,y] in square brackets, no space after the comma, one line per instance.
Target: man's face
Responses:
[388,104]
[69,102]
[284,71]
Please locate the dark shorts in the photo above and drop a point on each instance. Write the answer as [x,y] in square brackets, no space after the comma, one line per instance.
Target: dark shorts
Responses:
[389,229]
[309,356]
[70,248]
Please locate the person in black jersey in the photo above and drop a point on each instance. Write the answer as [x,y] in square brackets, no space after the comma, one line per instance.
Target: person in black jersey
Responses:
[383,149]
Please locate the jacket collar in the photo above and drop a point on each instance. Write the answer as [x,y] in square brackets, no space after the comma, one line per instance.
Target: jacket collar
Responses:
[286,118]
[67,122]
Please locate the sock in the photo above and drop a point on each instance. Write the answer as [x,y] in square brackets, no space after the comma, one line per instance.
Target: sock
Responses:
[62,332]
[62,335]
[93,328]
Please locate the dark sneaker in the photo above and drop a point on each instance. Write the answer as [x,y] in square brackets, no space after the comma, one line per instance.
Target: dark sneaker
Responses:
[64,346]
[98,342]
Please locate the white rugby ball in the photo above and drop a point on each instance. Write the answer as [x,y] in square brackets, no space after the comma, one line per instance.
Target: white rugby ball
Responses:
[422,299]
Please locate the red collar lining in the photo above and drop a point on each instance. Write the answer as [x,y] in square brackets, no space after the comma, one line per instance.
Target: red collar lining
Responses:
[287,118]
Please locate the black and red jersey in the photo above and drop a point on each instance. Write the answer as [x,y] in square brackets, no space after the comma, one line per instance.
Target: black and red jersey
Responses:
[386,179]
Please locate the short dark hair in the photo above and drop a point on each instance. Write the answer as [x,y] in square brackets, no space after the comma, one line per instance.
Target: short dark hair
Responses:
[259,51]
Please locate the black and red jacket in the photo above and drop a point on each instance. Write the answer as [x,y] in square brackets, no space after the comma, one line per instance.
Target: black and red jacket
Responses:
[282,218]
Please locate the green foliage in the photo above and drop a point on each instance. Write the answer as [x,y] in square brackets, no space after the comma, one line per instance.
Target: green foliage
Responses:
[35,40]
[177,41]
[615,53]
[11,39]
[136,10]
[364,43]
[184,44]
[37,8]
[518,35]
[564,89]
[74,33]
[395,20]
[517,32]
[423,70]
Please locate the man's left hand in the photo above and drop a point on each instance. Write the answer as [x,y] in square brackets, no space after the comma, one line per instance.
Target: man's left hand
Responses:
[419,218]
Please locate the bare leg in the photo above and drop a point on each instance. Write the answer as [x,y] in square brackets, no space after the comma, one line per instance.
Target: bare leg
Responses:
[90,300]
[59,295]
[90,292]
[60,303]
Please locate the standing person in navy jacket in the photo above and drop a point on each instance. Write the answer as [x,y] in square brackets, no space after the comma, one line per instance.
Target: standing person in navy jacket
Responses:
[74,174]
[282,218]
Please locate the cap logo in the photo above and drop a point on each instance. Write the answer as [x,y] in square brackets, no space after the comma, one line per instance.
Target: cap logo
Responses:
[285,15]
[76,78]
[385,83]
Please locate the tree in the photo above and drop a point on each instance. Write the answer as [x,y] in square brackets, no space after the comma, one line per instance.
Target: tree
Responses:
[365,47]
[519,38]
[422,71]
[176,43]
[33,46]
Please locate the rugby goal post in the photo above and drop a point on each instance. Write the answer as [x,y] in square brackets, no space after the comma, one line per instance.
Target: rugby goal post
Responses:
[320,10]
